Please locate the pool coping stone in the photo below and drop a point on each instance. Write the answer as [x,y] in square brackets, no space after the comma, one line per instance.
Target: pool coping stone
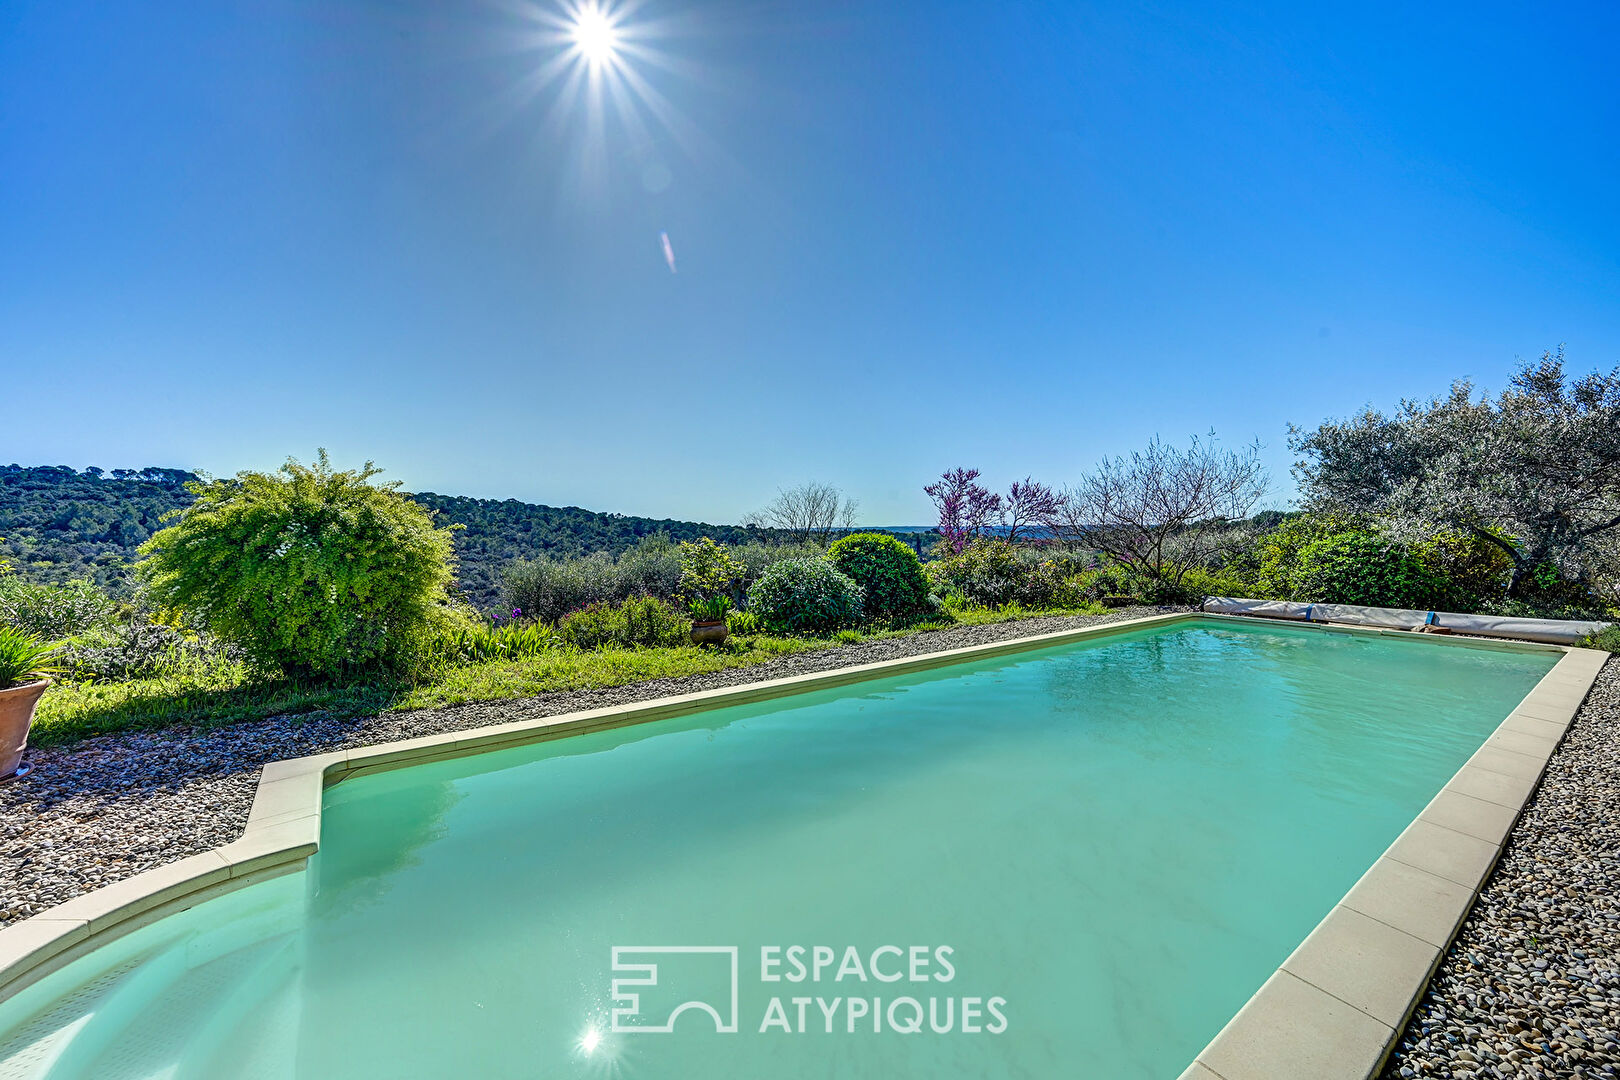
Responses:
[1336,1007]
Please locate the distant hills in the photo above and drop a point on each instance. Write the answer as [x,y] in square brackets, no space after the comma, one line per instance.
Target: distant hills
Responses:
[59,523]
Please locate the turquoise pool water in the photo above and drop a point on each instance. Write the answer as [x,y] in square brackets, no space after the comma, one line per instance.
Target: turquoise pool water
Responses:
[1118,840]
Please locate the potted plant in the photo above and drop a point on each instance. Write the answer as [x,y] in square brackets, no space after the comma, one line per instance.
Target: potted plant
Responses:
[25,670]
[709,619]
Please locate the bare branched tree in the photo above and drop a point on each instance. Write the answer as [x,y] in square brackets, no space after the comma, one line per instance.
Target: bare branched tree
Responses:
[1161,510]
[811,511]
[1026,504]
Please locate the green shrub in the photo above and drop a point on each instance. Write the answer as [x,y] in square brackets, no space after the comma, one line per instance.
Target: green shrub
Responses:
[805,596]
[475,641]
[53,612]
[141,648]
[987,573]
[24,657]
[651,568]
[1361,568]
[757,556]
[1110,579]
[1278,551]
[1476,570]
[1062,581]
[1607,639]
[547,588]
[889,574]
[707,570]
[312,571]
[640,620]
[1197,585]
[742,622]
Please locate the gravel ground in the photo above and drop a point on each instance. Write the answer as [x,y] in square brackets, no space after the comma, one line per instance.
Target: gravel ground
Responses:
[101,810]
[1531,987]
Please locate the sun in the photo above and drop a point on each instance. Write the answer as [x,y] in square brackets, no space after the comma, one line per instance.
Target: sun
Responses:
[594,34]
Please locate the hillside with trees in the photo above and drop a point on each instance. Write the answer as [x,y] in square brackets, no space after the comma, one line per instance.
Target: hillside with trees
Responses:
[58,524]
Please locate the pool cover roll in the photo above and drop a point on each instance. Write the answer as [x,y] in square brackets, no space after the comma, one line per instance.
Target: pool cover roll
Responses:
[1553,631]
[1271,609]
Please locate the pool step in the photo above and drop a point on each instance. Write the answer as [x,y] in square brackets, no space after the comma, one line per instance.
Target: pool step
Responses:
[166,1004]
[153,1021]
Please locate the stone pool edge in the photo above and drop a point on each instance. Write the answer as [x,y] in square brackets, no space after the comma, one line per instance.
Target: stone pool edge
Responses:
[1337,1006]
[283,826]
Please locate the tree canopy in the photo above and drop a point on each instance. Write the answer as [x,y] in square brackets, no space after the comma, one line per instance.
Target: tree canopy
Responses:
[58,523]
[1534,471]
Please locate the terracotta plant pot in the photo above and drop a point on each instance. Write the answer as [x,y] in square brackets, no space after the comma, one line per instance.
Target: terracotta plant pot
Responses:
[710,632]
[16,714]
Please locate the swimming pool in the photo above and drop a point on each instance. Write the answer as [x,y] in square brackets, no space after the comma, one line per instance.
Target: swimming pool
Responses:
[1117,839]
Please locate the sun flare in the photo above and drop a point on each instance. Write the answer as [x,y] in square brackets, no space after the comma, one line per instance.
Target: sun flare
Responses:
[594,34]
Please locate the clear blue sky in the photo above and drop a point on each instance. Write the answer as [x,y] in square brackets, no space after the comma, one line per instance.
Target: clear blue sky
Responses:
[1015,235]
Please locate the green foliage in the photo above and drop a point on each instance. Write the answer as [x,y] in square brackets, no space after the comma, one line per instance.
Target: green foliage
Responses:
[805,596]
[313,572]
[1536,468]
[757,556]
[53,611]
[993,573]
[1097,583]
[59,524]
[1362,568]
[888,572]
[475,641]
[985,572]
[548,588]
[1476,569]
[639,621]
[1278,551]
[1198,584]
[1328,558]
[709,608]
[707,570]
[140,648]
[24,657]
[1607,639]
[742,622]
[1062,582]
[651,568]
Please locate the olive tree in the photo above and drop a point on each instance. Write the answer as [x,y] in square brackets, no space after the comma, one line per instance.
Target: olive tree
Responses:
[312,571]
[1534,471]
[1164,509]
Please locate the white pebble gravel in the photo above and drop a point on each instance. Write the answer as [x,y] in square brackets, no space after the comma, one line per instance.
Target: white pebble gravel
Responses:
[1531,986]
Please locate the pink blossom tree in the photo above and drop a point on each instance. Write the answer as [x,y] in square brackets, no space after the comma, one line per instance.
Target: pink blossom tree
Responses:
[965,507]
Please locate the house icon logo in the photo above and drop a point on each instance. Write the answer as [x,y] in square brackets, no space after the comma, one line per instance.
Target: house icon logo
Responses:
[654,985]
